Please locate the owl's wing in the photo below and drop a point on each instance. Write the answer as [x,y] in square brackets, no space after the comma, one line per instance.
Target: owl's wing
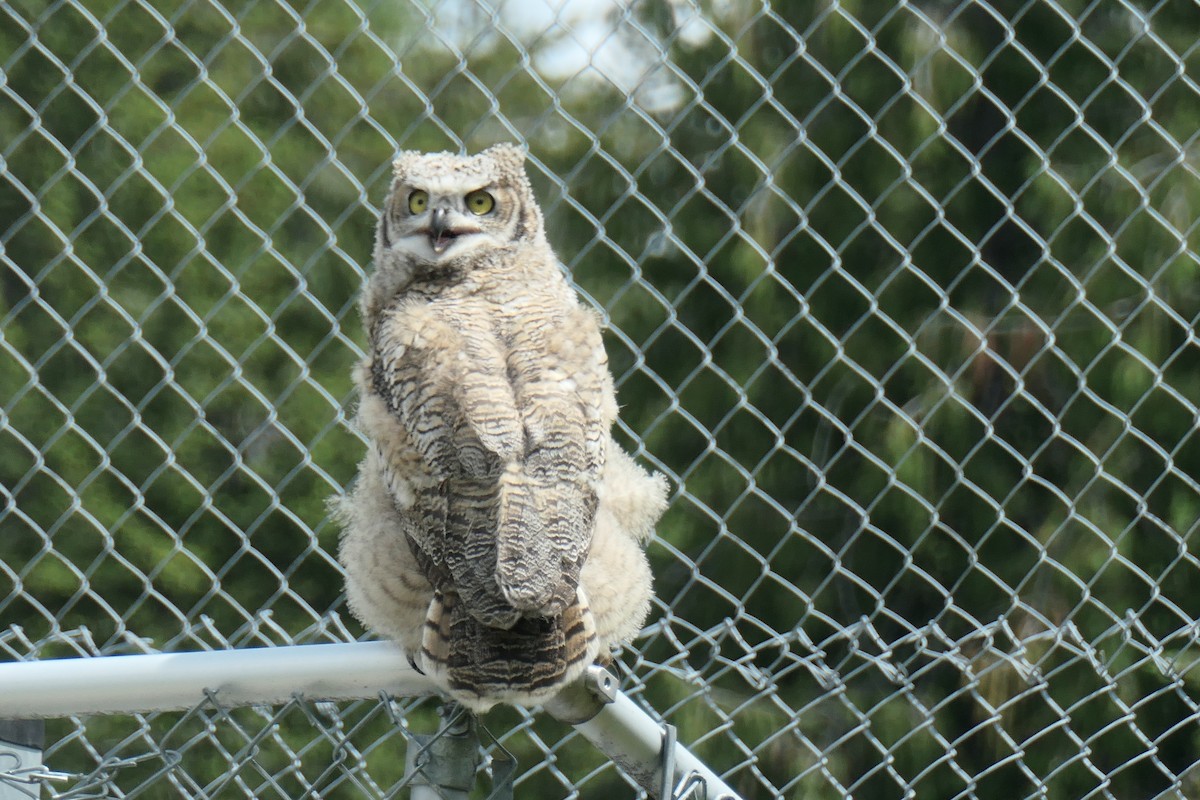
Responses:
[446,386]
[530,417]
[564,394]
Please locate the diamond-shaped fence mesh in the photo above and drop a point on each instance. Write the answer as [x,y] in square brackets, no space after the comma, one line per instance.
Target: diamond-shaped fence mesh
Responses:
[901,296]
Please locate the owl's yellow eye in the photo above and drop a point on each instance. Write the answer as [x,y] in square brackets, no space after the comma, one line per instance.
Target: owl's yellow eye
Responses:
[418,201]
[480,202]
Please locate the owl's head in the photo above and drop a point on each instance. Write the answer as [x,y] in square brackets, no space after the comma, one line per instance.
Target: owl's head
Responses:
[442,207]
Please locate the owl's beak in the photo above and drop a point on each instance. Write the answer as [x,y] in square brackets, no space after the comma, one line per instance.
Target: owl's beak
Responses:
[440,234]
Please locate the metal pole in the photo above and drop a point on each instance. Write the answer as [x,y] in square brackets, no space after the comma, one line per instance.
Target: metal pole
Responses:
[179,681]
[631,738]
[643,748]
[360,670]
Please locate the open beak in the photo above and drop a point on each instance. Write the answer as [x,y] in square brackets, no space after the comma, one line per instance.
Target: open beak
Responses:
[440,233]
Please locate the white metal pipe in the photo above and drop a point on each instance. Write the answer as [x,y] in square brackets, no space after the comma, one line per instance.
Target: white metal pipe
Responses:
[631,738]
[179,681]
[273,675]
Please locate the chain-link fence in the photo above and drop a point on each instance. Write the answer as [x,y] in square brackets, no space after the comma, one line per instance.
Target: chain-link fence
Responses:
[901,296]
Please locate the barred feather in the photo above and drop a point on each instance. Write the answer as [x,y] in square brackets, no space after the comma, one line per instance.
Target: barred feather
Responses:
[531,661]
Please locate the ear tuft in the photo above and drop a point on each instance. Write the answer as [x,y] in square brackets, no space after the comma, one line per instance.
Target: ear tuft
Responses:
[403,162]
[507,153]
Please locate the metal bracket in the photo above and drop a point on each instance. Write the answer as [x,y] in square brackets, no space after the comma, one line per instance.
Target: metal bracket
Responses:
[503,771]
[21,767]
[582,700]
[443,764]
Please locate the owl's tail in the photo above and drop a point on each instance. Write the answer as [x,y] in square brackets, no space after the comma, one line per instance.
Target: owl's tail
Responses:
[526,665]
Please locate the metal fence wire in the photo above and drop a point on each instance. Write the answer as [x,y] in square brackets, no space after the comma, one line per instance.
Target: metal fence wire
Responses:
[900,295]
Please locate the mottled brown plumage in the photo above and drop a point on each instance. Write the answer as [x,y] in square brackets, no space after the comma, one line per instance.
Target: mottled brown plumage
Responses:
[495,529]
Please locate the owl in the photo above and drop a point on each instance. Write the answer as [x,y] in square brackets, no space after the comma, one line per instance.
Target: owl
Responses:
[495,530]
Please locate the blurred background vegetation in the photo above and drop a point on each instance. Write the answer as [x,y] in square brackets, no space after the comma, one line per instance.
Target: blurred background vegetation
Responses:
[902,297]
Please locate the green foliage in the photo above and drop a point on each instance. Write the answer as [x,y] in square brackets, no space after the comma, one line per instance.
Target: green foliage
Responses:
[902,299]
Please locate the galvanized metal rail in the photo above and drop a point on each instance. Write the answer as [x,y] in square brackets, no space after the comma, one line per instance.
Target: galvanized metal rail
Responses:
[272,675]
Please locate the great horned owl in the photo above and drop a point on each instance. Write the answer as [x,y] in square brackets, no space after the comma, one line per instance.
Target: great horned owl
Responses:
[495,529]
